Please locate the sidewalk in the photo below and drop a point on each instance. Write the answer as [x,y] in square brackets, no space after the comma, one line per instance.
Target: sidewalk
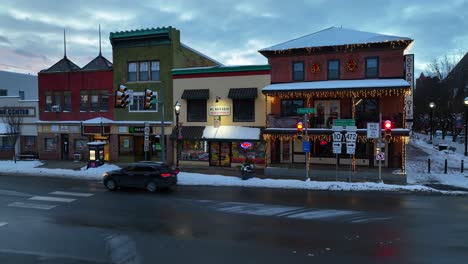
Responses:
[316,173]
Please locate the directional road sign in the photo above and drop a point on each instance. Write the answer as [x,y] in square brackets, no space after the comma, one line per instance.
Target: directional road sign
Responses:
[337,147]
[350,148]
[337,136]
[302,111]
[351,136]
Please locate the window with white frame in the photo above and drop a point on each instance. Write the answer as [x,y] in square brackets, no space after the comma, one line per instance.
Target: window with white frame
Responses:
[138,101]
[143,71]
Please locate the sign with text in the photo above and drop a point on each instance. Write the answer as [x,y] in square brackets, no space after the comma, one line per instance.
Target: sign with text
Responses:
[222,110]
[302,111]
[336,147]
[344,122]
[351,136]
[373,130]
[409,76]
[306,146]
[350,148]
[139,129]
[18,111]
[337,136]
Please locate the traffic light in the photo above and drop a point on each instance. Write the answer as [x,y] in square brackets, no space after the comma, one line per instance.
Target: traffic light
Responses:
[388,130]
[300,130]
[121,97]
[148,99]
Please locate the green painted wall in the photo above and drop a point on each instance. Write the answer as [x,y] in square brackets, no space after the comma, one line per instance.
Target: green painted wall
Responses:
[170,53]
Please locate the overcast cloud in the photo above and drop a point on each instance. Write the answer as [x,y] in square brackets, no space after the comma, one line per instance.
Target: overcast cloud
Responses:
[230,31]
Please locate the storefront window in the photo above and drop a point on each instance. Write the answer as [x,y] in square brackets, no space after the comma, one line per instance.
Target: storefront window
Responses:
[5,143]
[256,152]
[50,144]
[29,144]
[80,145]
[194,150]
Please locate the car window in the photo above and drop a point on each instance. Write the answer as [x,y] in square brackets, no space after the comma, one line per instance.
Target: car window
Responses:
[129,168]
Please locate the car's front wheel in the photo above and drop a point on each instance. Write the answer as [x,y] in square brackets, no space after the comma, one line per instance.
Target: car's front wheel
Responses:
[151,186]
[110,184]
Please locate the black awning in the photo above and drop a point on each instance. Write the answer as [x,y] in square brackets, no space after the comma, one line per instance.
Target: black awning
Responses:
[196,94]
[242,93]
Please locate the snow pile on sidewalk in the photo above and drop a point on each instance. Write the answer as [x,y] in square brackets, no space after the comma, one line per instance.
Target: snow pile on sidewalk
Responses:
[32,168]
[219,180]
[417,168]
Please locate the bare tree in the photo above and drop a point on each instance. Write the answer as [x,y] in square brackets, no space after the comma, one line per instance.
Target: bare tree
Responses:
[441,67]
[13,121]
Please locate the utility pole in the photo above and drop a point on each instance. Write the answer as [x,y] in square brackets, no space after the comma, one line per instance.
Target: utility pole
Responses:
[161,102]
[306,123]
[379,146]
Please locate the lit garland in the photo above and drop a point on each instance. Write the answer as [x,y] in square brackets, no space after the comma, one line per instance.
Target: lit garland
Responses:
[309,94]
[346,48]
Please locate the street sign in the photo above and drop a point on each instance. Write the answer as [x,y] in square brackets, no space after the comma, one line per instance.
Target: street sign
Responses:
[337,136]
[380,156]
[338,128]
[302,111]
[351,136]
[344,122]
[146,137]
[373,130]
[350,148]
[337,147]
[306,146]
[146,146]
[351,128]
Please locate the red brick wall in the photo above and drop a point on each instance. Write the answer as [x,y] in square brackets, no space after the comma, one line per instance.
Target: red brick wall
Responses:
[75,82]
[390,65]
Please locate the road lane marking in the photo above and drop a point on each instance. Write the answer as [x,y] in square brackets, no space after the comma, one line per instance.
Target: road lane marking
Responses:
[77,194]
[14,193]
[32,205]
[3,224]
[318,214]
[52,199]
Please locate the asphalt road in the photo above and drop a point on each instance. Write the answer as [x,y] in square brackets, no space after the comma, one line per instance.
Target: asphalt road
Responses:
[52,220]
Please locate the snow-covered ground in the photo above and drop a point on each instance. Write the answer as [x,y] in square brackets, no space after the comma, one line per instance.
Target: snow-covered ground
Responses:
[417,167]
[417,176]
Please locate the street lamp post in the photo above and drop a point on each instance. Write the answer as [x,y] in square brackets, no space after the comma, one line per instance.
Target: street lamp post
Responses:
[432,105]
[177,112]
[466,123]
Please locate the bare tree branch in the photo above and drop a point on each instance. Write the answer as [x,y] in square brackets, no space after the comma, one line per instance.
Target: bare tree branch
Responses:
[14,121]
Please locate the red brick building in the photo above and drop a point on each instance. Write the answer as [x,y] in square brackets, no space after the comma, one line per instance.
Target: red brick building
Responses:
[343,74]
[74,104]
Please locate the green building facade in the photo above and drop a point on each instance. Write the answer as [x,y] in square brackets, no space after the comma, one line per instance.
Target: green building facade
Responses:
[143,59]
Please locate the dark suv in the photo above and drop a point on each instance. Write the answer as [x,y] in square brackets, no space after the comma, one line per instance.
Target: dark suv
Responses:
[145,174]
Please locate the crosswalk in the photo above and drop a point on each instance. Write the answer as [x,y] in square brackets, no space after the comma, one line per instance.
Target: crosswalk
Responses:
[49,201]
[292,212]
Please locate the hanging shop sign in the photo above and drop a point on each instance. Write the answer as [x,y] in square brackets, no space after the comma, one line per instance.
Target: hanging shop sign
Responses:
[140,129]
[222,110]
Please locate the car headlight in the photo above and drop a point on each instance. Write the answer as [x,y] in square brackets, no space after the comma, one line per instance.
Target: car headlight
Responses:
[105,174]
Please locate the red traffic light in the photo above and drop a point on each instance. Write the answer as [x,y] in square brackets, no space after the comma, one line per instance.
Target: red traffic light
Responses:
[388,124]
[300,126]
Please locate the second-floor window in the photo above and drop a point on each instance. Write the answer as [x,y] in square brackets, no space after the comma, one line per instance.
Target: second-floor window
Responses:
[372,67]
[143,71]
[94,102]
[333,69]
[48,103]
[3,92]
[21,94]
[84,101]
[244,110]
[298,71]
[137,104]
[289,107]
[196,110]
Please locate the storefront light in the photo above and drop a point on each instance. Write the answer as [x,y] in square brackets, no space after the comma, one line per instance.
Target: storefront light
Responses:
[92,155]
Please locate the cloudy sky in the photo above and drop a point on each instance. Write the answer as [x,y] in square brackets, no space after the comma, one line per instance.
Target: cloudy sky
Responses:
[230,31]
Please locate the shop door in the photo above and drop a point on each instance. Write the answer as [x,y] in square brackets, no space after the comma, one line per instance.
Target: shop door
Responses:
[65,147]
[220,154]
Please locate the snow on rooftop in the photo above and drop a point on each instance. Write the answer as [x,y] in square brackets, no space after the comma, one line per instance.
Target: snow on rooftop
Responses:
[231,132]
[339,84]
[334,36]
